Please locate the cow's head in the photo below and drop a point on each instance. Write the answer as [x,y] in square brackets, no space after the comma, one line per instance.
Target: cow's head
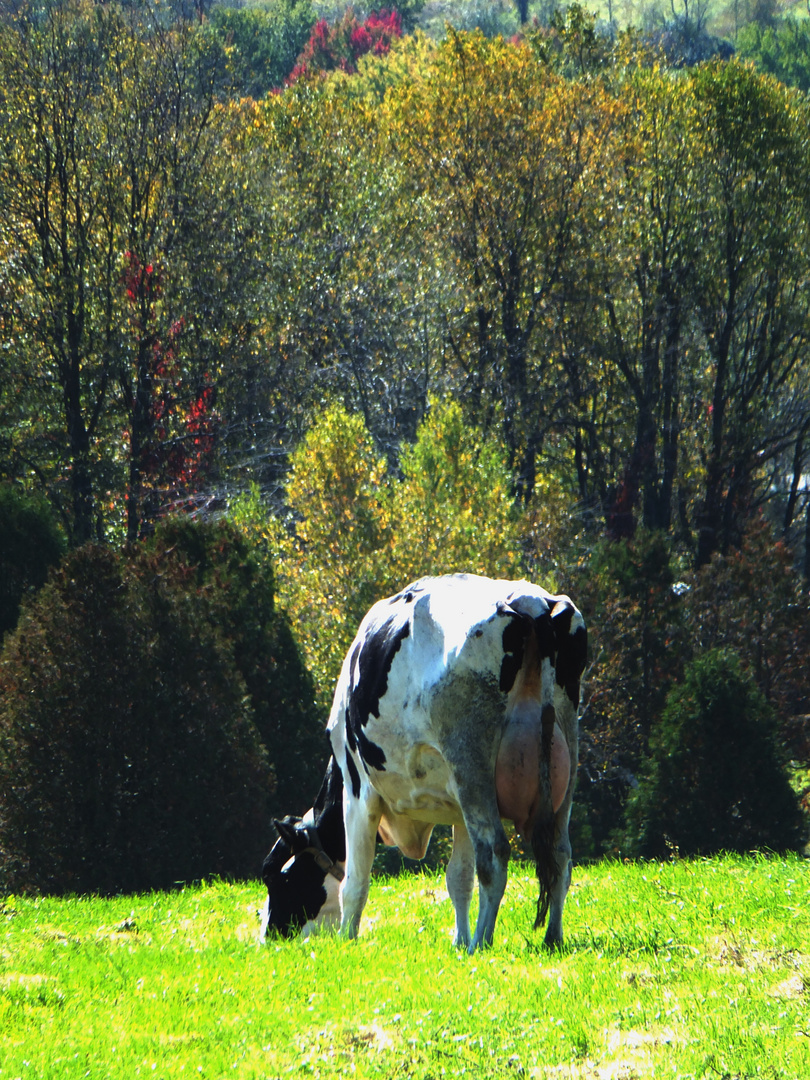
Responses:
[305,866]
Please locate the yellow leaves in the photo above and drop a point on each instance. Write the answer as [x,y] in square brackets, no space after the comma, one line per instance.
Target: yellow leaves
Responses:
[500,149]
[453,509]
[332,555]
[357,534]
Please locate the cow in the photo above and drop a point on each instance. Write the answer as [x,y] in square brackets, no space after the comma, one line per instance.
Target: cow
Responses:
[306,864]
[456,704]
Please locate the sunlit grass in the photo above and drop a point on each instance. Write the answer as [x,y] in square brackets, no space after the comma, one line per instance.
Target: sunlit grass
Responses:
[672,970]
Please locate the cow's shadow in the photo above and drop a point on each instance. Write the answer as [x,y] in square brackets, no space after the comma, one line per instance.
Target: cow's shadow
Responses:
[612,943]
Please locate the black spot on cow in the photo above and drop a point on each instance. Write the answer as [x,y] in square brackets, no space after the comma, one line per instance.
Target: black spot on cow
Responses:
[547,720]
[369,668]
[355,655]
[546,641]
[371,754]
[328,812]
[407,596]
[354,776]
[351,742]
[514,636]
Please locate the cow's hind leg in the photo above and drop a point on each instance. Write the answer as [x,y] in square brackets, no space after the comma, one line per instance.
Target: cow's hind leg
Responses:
[491,861]
[468,712]
[460,879]
[361,817]
[491,849]
[559,890]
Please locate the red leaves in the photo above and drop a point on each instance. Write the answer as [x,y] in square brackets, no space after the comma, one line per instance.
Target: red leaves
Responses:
[383,26]
[173,410]
[360,41]
[142,283]
[340,46]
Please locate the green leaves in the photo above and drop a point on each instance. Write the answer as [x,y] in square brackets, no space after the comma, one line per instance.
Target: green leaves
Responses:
[113,149]
[356,533]
[715,782]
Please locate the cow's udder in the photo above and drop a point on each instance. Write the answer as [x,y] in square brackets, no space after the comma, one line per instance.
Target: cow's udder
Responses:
[517,771]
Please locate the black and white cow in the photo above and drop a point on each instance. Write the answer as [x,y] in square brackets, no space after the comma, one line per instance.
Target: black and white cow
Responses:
[306,864]
[456,704]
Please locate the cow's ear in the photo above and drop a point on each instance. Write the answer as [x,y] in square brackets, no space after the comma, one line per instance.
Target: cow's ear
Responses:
[287,829]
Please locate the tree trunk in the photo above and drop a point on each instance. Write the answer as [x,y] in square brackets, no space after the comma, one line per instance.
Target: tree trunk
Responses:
[81,483]
[671,420]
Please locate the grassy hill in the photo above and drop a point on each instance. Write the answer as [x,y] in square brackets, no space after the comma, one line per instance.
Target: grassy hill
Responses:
[670,970]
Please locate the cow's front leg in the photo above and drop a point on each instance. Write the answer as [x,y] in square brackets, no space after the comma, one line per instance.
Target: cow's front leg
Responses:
[460,878]
[361,816]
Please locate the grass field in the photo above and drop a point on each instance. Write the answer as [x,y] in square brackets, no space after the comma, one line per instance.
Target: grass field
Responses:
[674,970]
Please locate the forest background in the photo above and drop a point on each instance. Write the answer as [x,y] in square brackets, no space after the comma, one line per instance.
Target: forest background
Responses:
[298,303]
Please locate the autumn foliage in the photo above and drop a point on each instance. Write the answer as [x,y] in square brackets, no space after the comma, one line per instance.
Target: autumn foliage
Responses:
[523,307]
[173,427]
[339,46]
[356,533]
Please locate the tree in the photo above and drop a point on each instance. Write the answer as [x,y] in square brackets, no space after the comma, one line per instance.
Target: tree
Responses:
[154,711]
[348,310]
[500,151]
[751,601]
[262,43]
[52,155]
[716,781]
[638,643]
[782,51]
[132,260]
[357,534]
[332,562]
[229,574]
[699,253]
[644,264]
[750,299]
[453,508]
[339,47]
[128,755]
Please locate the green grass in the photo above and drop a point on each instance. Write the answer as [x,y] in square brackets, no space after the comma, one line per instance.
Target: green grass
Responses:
[673,970]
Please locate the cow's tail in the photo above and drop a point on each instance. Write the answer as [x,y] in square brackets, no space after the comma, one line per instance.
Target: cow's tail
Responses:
[543,832]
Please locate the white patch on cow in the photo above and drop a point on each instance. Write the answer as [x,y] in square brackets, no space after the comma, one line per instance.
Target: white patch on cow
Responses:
[328,917]
[265,920]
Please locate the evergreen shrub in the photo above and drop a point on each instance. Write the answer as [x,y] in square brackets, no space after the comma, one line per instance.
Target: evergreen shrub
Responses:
[30,544]
[638,644]
[235,579]
[129,755]
[716,781]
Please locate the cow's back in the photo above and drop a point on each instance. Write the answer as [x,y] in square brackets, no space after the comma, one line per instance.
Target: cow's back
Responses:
[446,660]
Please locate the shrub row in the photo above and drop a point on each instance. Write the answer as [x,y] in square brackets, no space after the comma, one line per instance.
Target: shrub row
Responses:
[153,708]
